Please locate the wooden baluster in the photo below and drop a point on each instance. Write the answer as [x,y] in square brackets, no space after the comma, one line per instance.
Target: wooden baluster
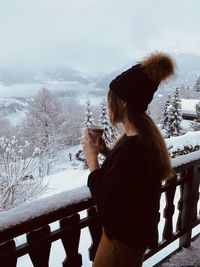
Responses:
[40,251]
[7,256]
[169,210]
[154,242]
[180,204]
[70,240]
[95,232]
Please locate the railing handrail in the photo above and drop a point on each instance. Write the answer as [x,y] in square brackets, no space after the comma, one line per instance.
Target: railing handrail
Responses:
[29,216]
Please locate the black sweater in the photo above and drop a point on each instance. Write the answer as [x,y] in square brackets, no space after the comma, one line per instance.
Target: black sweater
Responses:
[126,190]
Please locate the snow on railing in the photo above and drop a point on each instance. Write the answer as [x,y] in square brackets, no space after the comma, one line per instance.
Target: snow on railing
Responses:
[49,205]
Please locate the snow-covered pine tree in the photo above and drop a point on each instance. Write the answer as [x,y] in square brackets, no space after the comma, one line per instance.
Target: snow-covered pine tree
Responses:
[197,84]
[164,121]
[174,113]
[196,123]
[89,120]
[110,133]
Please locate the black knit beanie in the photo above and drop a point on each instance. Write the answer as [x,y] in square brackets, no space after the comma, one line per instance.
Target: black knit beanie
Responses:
[138,84]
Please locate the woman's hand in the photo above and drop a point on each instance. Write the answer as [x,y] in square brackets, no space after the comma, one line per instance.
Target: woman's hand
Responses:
[91,149]
[103,149]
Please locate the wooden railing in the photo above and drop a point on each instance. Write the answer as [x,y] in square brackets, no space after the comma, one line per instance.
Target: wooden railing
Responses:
[33,219]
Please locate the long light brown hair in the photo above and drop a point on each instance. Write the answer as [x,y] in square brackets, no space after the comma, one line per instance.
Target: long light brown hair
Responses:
[149,134]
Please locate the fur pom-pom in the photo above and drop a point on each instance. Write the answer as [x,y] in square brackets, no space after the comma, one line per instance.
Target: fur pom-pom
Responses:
[158,66]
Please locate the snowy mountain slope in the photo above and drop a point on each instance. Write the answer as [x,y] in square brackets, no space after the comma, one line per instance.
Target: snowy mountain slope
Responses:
[10,105]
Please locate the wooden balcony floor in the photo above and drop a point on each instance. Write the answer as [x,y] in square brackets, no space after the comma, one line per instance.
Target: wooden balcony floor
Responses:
[189,257]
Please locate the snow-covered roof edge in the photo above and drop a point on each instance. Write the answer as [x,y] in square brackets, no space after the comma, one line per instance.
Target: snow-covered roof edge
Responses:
[185,159]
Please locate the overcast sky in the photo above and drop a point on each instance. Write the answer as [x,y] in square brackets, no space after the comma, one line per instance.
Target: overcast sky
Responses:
[95,35]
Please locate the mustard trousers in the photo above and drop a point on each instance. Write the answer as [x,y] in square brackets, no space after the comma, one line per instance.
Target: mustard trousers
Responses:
[112,253]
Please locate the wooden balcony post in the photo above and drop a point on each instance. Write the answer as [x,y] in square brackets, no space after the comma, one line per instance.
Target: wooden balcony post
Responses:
[6,249]
[196,192]
[189,205]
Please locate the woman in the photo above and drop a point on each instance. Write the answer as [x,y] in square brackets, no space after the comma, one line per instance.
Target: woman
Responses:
[126,189]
